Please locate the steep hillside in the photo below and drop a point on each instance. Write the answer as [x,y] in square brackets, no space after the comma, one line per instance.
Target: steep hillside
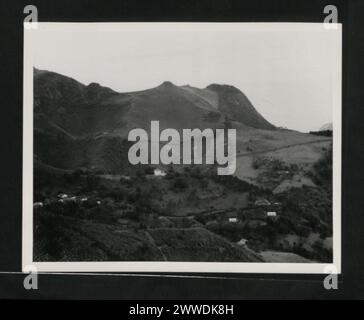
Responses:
[69,239]
[75,108]
[87,125]
[173,106]
[82,110]
[237,106]
[90,203]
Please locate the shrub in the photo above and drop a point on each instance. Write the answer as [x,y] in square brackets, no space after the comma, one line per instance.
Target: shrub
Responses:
[180,184]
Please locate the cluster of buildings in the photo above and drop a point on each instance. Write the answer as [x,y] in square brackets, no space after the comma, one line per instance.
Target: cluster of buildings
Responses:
[262,208]
[64,198]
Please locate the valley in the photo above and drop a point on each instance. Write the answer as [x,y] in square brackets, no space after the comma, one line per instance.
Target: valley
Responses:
[92,204]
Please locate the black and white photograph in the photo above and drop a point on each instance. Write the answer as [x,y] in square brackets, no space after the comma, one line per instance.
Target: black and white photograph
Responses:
[182,147]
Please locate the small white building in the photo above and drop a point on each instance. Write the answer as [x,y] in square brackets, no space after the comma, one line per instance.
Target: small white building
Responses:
[67,199]
[271,214]
[242,242]
[38,204]
[159,173]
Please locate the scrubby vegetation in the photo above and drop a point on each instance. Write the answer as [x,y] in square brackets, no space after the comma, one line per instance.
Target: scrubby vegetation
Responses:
[325,133]
[90,203]
[322,173]
[182,216]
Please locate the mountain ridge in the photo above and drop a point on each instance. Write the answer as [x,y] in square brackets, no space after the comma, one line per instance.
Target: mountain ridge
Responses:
[65,91]
[88,125]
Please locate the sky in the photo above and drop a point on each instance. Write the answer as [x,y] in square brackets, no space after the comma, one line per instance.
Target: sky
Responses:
[288,71]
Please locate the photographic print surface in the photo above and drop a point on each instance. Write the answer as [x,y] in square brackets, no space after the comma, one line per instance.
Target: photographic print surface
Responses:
[182,147]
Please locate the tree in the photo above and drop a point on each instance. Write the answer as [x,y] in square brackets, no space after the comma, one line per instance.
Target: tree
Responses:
[180,184]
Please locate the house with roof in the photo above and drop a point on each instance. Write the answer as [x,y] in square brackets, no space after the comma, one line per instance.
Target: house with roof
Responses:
[232,216]
[38,204]
[242,242]
[272,214]
[261,202]
[159,173]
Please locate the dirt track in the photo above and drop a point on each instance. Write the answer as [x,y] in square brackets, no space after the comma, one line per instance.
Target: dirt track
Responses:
[280,148]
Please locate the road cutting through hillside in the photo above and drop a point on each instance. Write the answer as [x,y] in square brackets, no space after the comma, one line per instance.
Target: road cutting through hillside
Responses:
[281,148]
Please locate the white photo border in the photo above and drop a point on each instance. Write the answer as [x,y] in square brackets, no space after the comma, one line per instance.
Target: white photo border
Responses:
[174,267]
